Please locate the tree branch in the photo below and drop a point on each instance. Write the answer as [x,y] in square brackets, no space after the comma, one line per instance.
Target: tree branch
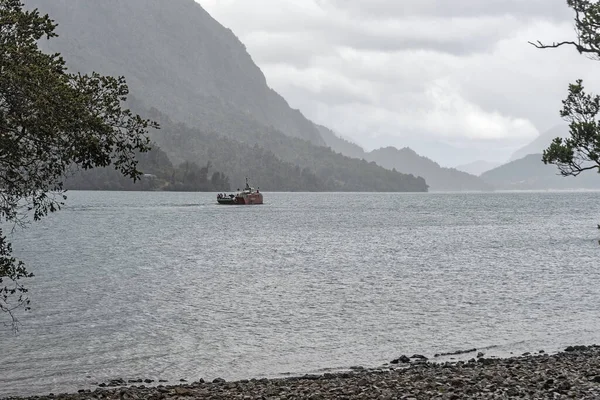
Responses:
[554,45]
[574,170]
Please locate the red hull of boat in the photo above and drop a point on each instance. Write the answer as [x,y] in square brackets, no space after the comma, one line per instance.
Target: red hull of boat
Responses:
[254,198]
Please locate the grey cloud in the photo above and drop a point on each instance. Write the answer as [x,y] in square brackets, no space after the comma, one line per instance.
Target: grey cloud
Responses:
[552,9]
[415,72]
[460,36]
[384,30]
[443,45]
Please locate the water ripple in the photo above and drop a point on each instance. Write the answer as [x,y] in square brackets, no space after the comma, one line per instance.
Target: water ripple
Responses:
[170,285]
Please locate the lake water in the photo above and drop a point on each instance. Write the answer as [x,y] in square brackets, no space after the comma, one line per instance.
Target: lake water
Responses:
[171,285]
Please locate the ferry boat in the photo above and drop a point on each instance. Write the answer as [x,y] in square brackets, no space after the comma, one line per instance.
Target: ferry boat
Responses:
[247,196]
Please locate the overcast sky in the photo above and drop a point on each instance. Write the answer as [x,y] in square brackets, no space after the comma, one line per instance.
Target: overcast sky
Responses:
[455,80]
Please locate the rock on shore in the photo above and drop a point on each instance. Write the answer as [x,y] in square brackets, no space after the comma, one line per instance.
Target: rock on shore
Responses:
[574,373]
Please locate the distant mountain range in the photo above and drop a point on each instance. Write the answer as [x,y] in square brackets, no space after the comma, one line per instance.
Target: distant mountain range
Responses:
[408,161]
[530,173]
[438,178]
[541,143]
[537,146]
[477,167]
[526,171]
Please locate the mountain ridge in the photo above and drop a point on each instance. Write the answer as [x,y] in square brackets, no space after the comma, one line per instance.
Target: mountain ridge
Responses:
[541,143]
[188,65]
[323,169]
[408,161]
[477,167]
[530,173]
[438,178]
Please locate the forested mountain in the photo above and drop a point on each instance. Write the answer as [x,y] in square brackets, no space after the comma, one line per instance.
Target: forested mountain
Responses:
[176,58]
[341,145]
[159,174]
[409,162]
[526,171]
[437,177]
[299,165]
[530,173]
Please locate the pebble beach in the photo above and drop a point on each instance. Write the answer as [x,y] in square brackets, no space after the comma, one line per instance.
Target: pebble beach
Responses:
[571,374]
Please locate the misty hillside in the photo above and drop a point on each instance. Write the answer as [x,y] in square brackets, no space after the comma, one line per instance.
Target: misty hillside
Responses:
[530,173]
[176,58]
[477,167]
[408,161]
[179,60]
[159,175]
[314,168]
[541,143]
[438,178]
[339,144]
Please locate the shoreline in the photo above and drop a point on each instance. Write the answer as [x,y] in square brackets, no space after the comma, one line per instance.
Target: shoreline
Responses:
[571,373]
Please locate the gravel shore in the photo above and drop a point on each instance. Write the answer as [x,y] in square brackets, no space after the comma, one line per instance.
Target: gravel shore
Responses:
[571,374]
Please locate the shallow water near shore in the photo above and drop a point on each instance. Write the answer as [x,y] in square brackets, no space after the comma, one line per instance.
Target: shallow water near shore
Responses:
[171,285]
